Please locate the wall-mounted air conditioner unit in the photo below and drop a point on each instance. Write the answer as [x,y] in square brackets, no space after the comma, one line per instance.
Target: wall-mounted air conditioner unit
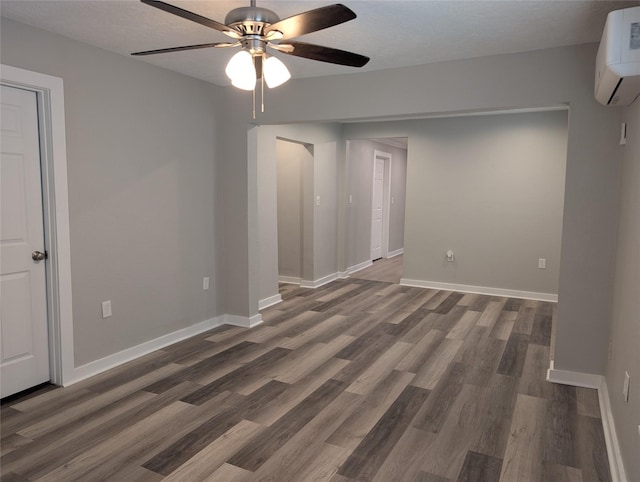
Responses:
[618,59]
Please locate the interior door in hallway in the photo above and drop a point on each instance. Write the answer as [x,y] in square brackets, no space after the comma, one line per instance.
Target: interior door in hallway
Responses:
[24,343]
[377,208]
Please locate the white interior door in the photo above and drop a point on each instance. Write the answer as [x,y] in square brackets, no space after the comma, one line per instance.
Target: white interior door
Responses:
[24,345]
[377,208]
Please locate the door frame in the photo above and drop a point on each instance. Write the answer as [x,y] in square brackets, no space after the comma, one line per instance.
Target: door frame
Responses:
[386,198]
[49,92]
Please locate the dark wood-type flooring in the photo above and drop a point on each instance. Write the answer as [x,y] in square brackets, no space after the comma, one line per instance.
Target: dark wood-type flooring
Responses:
[388,269]
[357,380]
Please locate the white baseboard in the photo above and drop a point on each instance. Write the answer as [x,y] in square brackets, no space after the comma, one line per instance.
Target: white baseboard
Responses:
[588,380]
[343,274]
[319,282]
[576,379]
[359,266]
[610,437]
[267,302]
[111,361]
[481,290]
[244,321]
[397,252]
[289,280]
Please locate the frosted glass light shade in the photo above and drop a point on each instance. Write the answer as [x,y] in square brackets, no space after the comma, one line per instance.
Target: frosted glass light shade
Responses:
[241,71]
[275,72]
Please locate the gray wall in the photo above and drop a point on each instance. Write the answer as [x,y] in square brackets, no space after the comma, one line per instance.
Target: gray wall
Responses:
[325,214]
[625,313]
[360,184]
[289,158]
[491,189]
[141,174]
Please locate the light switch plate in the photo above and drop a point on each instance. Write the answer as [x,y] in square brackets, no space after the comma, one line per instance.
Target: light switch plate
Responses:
[106,309]
[625,387]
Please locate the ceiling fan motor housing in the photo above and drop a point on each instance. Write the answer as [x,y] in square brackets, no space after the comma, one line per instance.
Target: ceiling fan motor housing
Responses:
[251,20]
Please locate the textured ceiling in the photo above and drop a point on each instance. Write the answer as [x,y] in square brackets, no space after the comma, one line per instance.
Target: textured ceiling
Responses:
[393,33]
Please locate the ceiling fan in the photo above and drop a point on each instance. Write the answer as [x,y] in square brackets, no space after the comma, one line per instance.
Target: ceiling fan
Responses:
[255,29]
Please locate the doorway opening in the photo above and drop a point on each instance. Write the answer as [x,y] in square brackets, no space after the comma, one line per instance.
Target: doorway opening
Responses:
[294,180]
[376,190]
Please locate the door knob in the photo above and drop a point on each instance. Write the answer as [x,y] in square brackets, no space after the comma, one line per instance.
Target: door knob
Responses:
[38,255]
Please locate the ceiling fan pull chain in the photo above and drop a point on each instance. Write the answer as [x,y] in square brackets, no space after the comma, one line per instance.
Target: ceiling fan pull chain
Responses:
[254,102]
[262,92]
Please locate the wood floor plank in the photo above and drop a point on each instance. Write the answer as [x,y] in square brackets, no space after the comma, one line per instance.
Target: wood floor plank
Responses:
[588,404]
[434,412]
[249,372]
[209,459]
[370,454]
[303,361]
[427,477]
[428,376]
[487,355]
[421,351]
[260,448]
[404,462]
[301,453]
[480,467]
[592,454]
[212,426]
[491,314]
[561,426]
[513,356]
[350,433]
[554,472]
[523,454]
[504,326]
[541,331]
[379,369]
[533,381]
[280,406]
[462,425]
[229,473]
[493,435]
[463,326]
[524,321]
[448,303]
[323,466]
[12,442]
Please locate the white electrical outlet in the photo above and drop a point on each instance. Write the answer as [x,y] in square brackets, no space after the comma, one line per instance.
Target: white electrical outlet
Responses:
[106,309]
[542,263]
[625,386]
[317,200]
[205,283]
[350,199]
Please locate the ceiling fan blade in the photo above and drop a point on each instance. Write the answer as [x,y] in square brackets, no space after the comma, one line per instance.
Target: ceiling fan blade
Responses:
[323,54]
[187,47]
[194,17]
[312,21]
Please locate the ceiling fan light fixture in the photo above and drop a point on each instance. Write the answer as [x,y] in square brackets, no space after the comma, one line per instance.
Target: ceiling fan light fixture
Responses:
[275,72]
[241,71]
